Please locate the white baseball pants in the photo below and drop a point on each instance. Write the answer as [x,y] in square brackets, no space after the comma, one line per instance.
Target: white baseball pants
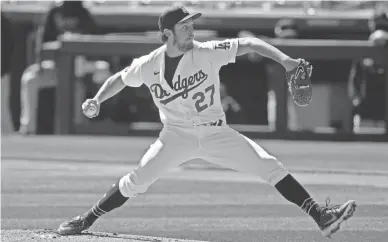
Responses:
[219,145]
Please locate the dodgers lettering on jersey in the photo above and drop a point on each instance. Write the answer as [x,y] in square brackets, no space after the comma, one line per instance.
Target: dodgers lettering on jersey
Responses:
[194,96]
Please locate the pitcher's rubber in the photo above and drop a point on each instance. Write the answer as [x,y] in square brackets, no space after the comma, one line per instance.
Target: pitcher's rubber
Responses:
[35,235]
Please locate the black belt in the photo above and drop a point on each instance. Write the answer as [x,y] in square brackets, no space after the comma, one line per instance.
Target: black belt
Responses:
[216,123]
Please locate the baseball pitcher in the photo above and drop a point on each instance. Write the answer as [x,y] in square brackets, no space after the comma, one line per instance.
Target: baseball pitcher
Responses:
[183,78]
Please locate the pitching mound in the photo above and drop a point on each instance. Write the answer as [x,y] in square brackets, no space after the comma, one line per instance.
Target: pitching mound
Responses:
[50,235]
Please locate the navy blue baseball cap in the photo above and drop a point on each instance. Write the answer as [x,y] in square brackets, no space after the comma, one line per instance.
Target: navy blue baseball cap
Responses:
[174,15]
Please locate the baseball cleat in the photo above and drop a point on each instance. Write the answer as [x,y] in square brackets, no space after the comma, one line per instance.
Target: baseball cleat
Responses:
[74,226]
[331,218]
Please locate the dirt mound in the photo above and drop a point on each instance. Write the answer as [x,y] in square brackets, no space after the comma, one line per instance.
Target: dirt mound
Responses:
[31,235]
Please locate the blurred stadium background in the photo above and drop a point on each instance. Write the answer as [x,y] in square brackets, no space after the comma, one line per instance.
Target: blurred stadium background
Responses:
[346,41]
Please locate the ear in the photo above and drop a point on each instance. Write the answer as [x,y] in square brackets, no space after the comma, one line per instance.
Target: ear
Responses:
[167,32]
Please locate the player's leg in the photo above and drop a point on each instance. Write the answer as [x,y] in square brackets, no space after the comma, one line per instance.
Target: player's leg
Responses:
[169,151]
[34,78]
[233,150]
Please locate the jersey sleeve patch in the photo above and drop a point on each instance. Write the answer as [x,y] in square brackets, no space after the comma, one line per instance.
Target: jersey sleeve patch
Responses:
[224,45]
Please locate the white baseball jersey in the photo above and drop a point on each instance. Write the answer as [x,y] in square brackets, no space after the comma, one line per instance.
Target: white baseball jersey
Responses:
[195,96]
[194,99]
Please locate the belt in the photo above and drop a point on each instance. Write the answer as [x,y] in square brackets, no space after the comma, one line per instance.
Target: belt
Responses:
[215,123]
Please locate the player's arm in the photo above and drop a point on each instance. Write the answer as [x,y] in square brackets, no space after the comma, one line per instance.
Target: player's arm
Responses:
[130,76]
[110,88]
[251,44]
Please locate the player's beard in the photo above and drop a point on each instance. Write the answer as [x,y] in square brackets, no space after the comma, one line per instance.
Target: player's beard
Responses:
[185,46]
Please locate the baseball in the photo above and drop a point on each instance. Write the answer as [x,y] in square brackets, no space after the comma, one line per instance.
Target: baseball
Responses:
[91,111]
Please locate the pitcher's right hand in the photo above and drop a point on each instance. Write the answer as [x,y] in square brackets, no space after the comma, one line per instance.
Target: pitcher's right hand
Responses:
[91,108]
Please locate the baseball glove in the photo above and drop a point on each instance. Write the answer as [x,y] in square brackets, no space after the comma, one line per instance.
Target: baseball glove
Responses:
[299,83]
